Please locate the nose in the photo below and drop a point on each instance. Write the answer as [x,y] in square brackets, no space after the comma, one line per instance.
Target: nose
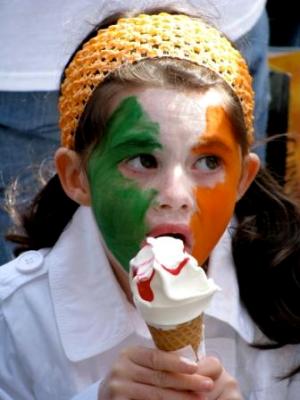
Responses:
[175,192]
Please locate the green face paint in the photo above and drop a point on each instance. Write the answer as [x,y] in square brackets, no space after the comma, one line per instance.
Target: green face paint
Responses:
[119,205]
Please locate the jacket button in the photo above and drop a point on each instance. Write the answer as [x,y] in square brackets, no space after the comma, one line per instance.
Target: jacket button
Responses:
[29,262]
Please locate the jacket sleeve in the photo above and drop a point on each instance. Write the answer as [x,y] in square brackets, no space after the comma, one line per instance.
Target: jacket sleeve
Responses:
[14,383]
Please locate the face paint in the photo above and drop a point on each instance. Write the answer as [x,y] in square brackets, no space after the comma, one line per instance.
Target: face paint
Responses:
[195,198]
[178,189]
[119,204]
[215,205]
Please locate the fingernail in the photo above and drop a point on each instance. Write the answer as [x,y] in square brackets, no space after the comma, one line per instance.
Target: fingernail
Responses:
[187,361]
[207,384]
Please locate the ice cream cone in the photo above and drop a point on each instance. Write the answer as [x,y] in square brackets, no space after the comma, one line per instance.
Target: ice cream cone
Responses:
[171,292]
[188,333]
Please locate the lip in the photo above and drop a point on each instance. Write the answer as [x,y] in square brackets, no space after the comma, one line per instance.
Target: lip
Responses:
[173,229]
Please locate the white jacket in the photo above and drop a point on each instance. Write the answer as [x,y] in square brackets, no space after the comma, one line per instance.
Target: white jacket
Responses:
[64,319]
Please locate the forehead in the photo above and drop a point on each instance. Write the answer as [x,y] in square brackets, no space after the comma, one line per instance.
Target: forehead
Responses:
[175,109]
[171,103]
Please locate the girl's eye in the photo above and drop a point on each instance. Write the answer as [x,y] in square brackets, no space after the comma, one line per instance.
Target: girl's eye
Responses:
[143,161]
[208,163]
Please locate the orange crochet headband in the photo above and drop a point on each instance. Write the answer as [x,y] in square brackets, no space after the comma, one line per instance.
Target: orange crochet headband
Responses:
[149,36]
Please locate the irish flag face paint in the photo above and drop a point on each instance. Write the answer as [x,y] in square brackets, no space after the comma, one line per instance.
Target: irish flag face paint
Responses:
[119,204]
[169,165]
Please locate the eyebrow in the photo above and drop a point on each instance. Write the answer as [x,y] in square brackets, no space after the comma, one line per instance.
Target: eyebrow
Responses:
[145,140]
[129,125]
[211,141]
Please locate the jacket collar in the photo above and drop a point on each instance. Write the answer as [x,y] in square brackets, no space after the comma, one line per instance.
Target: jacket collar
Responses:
[89,305]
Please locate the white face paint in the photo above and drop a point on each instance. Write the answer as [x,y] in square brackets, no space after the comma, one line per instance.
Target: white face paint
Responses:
[195,172]
[182,120]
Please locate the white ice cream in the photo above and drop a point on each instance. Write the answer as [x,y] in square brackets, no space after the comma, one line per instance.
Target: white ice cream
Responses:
[168,286]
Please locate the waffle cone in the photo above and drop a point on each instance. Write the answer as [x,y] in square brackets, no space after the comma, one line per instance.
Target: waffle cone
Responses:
[188,333]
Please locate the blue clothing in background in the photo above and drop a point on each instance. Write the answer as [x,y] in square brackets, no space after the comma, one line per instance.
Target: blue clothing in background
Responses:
[29,134]
[254,47]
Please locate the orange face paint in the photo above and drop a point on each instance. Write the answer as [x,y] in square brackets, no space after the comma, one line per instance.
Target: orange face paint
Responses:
[215,204]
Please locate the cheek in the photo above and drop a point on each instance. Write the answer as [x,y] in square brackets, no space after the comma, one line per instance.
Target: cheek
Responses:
[120,207]
[215,208]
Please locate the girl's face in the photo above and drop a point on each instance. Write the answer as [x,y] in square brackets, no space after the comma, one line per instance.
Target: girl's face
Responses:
[169,165]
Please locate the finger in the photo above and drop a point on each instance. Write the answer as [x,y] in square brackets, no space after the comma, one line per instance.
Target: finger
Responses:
[210,367]
[225,388]
[128,370]
[171,380]
[160,360]
[106,391]
[230,396]
[138,391]
[121,397]
[226,395]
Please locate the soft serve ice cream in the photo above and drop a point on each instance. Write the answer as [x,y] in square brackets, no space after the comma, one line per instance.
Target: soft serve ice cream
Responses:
[169,288]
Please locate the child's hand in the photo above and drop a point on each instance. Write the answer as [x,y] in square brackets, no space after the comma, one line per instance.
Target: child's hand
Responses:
[225,387]
[150,374]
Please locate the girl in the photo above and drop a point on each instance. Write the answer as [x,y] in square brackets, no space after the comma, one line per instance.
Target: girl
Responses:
[156,121]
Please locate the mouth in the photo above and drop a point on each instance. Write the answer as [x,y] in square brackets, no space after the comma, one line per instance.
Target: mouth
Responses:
[181,232]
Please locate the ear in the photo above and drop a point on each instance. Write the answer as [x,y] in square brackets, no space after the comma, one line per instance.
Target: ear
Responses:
[72,176]
[251,167]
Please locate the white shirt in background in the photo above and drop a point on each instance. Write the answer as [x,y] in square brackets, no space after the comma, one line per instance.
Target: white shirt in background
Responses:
[38,37]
